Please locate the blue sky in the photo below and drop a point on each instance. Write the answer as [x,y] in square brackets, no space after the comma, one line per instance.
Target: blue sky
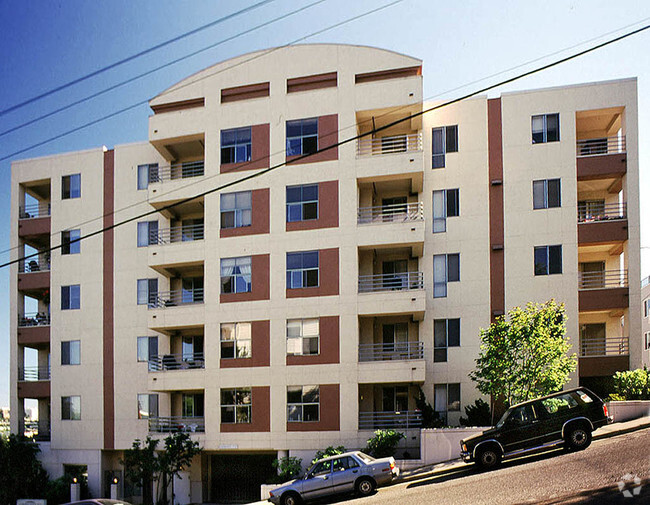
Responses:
[46,44]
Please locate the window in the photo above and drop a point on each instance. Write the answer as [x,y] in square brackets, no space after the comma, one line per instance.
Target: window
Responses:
[236,145]
[236,275]
[546,194]
[302,203]
[446,268]
[345,463]
[148,292]
[445,204]
[446,333]
[147,406]
[303,403]
[444,140]
[193,405]
[147,233]
[71,186]
[236,405]
[71,352]
[148,350]
[548,260]
[147,174]
[236,209]
[302,136]
[302,336]
[236,340]
[302,269]
[70,243]
[647,341]
[546,128]
[646,308]
[566,401]
[71,408]
[446,398]
[71,297]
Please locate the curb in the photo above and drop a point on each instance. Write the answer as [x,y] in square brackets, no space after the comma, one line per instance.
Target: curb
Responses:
[622,431]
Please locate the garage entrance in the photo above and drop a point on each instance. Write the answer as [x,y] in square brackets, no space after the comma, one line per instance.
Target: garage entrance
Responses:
[236,478]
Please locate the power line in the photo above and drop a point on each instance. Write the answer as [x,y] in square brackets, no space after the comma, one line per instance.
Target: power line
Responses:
[132,57]
[354,125]
[176,88]
[156,69]
[338,144]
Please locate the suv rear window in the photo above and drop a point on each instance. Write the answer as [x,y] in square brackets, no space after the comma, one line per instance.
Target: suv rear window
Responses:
[585,397]
[561,402]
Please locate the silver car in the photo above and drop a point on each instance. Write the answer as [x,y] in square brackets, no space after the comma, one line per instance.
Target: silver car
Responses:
[344,473]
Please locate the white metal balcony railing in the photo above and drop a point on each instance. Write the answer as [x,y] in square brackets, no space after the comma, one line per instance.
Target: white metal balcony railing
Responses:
[33,265]
[608,346]
[34,373]
[34,319]
[395,213]
[406,281]
[185,361]
[603,279]
[394,351]
[389,145]
[174,424]
[645,281]
[175,171]
[590,211]
[599,146]
[34,210]
[175,298]
[35,429]
[385,420]
[188,233]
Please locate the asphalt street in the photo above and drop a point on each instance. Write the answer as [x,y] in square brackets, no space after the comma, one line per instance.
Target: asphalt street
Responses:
[591,476]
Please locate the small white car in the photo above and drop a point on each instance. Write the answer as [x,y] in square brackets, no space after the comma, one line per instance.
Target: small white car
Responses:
[343,473]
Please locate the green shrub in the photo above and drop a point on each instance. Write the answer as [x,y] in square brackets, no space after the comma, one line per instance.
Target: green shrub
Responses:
[430,418]
[329,451]
[633,384]
[288,468]
[477,415]
[384,443]
[614,397]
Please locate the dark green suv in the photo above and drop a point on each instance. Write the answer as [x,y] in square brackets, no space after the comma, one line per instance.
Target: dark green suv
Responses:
[566,417]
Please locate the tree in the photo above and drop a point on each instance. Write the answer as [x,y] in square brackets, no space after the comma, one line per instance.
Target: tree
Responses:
[430,418]
[141,465]
[21,473]
[177,456]
[328,451]
[477,414]
[525,356]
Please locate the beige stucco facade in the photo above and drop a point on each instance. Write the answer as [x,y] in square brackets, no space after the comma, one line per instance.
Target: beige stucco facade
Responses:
[374,233]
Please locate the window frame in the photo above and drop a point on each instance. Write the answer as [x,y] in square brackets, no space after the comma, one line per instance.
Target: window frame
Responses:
[444,195]
[547,260]
[71,186]
[290,151]
[302,203]
[147,233]
[153,405]
[455,404]
[149,348]
[236,146]
[544,129]
[69,247]
[245,219]
[545,193]
[302,337]
[71,297]
[68,352]
[68,407]
[236,340]
[236,406]
[300,406]
[144,177]
[437,349]
[291,273]
[152,295]
[240,261]
[441,155]
[438,283]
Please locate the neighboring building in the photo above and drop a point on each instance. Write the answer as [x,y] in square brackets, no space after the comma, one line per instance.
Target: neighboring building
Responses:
[645,325]
[304,308]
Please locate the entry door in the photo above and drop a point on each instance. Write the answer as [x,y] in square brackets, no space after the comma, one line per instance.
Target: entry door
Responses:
[592,274]
[395,399]
[394,339]
[395,274]
[393,209]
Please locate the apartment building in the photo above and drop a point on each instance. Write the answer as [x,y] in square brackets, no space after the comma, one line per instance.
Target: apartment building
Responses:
[645,325]
[307,306]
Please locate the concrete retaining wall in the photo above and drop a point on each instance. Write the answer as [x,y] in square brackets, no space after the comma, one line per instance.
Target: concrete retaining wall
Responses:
[628,410]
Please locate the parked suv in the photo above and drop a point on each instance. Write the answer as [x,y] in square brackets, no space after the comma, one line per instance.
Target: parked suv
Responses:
[566,417]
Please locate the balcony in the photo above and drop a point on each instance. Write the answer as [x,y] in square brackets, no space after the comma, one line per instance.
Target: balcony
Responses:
[37,430]
[397,351]
[176,234]
[401,361]
[390,420]
[34,276]
[406,281]
[386,294]
[34,329]
[175,424]
[34,223]
[175,250]
[33,382]
[603,290]
[394,224]
[397,144]
[176,171]
[603,357]
[600,223]
[177,310]
[34,211]
[176,298]
[34,373]
[181,361]
[599,158]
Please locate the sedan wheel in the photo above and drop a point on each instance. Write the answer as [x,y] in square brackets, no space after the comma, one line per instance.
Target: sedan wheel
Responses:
[290,499]
[365,487]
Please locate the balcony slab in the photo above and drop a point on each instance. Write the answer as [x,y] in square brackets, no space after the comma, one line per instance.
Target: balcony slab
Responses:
[376,372]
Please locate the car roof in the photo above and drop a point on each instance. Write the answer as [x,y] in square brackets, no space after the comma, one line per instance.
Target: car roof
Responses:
[350,453]
[572,390]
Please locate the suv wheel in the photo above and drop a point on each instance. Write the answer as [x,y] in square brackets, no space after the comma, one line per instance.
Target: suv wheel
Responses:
[291,498]
[365,486]
[578,438]
[488,458]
